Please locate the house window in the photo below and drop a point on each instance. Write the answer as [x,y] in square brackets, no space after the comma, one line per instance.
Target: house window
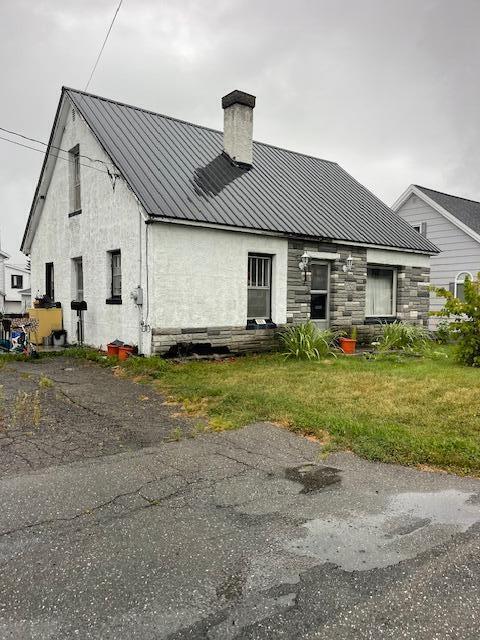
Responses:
[421,228]
[49,281]
[319,292]
[17,281]
[75,195]
[259,287]
[115,277]
[78,279]
[458,287]
[381,292]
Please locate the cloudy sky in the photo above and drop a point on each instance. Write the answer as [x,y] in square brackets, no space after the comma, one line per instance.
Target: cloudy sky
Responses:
[387,88]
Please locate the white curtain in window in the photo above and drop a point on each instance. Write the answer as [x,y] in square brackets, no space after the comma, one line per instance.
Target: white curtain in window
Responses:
[379,292]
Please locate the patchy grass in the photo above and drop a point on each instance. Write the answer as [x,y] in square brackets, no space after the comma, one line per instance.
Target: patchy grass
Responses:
[416,411]
[45,383]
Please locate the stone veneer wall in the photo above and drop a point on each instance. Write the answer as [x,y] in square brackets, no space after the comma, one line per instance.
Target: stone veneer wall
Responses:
[348,290]
[237,339]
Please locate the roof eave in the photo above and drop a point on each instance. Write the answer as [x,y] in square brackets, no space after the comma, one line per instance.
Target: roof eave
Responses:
[284,234]
[25,246]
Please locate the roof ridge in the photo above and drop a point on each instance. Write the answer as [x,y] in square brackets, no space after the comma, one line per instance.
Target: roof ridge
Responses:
[192,124]
[444,193]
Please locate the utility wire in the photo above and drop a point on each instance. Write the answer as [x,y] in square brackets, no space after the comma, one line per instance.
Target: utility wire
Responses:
[52,146]
[27,146]
[103,45]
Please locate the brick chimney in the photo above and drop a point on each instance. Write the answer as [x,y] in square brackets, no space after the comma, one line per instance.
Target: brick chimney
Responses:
[238,127]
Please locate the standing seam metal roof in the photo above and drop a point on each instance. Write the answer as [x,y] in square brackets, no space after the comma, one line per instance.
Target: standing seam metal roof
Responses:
[178,170]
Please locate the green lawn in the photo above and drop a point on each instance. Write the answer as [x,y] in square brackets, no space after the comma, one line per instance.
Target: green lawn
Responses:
[416,412]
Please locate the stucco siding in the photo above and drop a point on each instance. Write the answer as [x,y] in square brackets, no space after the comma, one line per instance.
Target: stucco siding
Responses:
[459,252]
[198,276]
[109,220]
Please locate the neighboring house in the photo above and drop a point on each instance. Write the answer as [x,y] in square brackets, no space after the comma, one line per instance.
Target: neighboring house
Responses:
[175,233]
[17,278]
[453,224]
[3,256]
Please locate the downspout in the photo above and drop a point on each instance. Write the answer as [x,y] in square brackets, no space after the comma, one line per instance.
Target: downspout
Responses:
[140,278]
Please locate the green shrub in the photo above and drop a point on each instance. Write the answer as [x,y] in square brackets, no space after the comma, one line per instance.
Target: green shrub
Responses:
[403,336]
[307,342]
[443,333]
[466,320]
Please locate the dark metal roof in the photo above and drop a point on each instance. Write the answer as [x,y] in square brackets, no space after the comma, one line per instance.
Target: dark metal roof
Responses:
[178,170]
[467,211]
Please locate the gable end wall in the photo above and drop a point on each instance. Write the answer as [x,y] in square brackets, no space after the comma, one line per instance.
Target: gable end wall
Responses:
[459,252]
[109,220]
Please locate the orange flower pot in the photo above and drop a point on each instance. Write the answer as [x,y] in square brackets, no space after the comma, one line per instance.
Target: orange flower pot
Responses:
[347,345]
[112,350]
[125,352]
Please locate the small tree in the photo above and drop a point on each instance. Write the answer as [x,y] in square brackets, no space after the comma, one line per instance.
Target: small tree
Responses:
[466,319]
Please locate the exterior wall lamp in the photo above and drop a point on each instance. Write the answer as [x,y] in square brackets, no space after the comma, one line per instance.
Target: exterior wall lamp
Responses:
[348,264]
[304,265]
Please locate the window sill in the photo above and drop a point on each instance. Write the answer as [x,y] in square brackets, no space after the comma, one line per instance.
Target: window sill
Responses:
[113,301]
[253,326]
[75,213]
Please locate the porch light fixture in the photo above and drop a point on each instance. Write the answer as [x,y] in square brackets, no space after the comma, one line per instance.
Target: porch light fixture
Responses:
[304,265]
[348,263]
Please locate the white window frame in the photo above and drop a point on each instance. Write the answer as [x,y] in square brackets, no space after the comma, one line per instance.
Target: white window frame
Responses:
[263,276]
[394,292]
[457,281]
[75,179]
[78,293]
[15,278]
[319,291]
[114,295]
[421,228]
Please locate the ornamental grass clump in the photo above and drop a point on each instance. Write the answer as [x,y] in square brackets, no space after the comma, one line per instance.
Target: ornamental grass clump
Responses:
[307,342]
[404,337]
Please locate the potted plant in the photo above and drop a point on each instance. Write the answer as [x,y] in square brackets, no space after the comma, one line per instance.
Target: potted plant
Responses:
[348,345]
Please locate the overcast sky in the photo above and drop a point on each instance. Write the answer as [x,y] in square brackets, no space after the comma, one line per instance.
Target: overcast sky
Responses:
[387,88]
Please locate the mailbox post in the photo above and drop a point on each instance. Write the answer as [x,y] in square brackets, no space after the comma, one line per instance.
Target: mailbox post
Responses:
[79,307]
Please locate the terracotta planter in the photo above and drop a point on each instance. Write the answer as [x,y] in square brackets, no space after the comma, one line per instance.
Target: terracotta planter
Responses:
[347,345]
[112,349]
[125,352]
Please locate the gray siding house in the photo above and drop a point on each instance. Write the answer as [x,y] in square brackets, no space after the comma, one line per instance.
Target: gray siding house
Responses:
[453,224]
[175,233]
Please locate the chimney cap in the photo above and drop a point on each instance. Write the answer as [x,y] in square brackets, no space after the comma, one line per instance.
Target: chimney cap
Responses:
[238,97]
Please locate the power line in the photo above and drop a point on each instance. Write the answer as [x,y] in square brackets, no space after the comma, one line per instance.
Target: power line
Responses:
[52,146]
[103,45]
[27,146]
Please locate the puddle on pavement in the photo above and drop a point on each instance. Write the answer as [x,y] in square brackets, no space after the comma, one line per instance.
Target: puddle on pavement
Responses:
[410,524]
[313,476]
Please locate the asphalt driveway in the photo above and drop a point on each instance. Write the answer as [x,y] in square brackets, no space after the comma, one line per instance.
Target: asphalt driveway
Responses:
[243,534]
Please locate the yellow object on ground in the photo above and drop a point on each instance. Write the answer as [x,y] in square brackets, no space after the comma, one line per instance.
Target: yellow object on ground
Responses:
[48,320]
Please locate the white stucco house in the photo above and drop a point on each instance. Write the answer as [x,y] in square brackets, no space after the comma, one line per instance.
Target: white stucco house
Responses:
[17,280]
[173,233]
[453,224]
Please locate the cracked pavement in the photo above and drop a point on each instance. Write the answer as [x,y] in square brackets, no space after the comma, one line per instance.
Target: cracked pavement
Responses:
[241,534]
[58,410]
